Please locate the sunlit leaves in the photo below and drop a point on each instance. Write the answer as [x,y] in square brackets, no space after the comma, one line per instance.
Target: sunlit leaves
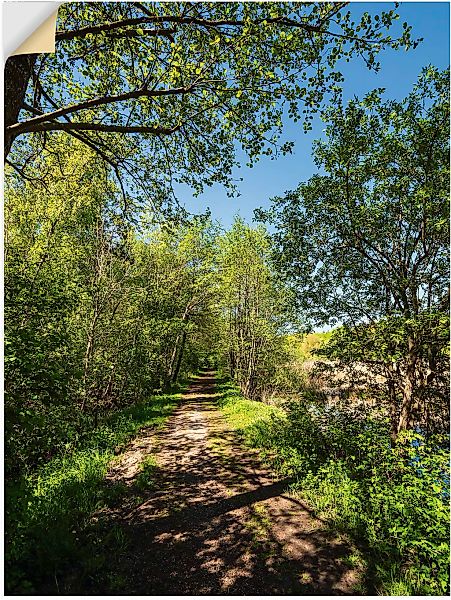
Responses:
[365,243]
[240,56]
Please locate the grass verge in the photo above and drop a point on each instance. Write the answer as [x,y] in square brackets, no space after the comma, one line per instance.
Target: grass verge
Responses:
[243,414]
[48,511]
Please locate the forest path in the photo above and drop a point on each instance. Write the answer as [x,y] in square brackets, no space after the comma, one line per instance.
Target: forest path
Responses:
[215,521]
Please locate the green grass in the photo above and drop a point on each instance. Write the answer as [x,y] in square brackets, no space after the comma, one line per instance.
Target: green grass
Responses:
[48,511]
[241,413]
[259,523]
[146,478]
[390,500]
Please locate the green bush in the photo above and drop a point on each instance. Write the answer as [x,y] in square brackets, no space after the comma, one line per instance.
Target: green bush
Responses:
[392,498]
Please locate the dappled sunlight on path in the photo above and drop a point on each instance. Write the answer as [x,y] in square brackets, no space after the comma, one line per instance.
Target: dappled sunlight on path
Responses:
[217,522]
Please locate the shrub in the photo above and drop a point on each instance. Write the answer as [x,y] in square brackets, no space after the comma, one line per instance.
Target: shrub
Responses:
[392,498]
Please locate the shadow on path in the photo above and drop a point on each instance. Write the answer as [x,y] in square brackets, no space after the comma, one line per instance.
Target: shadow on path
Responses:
[214,521]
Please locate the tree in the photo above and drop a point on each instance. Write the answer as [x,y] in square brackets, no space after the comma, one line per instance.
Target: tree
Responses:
[183,83]
[191,276]
[45,238]
[95,309]
[253,305]
[366,244]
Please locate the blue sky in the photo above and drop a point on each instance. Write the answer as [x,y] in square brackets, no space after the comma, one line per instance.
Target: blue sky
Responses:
[399,71]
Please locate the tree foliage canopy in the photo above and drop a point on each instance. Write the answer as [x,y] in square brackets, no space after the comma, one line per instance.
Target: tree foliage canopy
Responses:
[185,83]
[369,237]
[366,243]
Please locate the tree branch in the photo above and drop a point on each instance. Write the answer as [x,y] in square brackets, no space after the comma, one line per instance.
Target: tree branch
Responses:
[130,33]
[58,126]
[106,27]
[113,165]
[23,174]
[30,124]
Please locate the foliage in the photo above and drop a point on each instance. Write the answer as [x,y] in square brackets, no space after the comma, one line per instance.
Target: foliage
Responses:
[367,238]
[366,242]
[305,345]
[49,511]
[95,308]
[191,266]
[298,367]
[146,478]
[255,308]
[180,82]
[392,498]
[384,346]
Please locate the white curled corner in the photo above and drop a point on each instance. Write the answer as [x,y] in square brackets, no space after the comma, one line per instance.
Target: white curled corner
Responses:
[29,27]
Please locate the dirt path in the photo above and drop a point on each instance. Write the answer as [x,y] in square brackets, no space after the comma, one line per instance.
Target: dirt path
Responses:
[216,522]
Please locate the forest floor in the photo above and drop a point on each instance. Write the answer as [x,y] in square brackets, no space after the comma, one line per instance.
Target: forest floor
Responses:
[210,519]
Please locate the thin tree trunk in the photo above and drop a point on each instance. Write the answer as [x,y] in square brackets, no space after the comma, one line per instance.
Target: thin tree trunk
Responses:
[176,358]
[173,360]
[98,268]
[179,359]
[409,405]
[88,354]
[232,363]
[392,399]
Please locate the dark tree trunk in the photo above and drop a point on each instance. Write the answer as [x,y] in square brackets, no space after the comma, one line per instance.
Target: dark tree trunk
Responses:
[409,405]
[18,70]
[173,362]
[177,352]
[393,404]
[232,363]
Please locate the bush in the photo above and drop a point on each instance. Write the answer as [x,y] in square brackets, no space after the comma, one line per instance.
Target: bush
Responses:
[392,498]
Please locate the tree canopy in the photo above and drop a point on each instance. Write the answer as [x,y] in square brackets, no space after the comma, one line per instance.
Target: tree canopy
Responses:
[366,243]
[369,237]
[184,83]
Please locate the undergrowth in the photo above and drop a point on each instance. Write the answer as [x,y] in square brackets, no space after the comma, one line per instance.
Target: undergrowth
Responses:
[392,499]
[48,510]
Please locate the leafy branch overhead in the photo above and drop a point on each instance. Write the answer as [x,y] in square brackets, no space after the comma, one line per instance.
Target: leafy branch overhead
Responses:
[187,83]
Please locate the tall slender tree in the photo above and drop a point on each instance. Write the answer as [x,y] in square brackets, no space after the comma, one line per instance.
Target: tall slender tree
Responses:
[253,306]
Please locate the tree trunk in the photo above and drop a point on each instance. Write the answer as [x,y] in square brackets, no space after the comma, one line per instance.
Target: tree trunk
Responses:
[179,359]
[173,370]
[18,70]
[409,404]
[251,376]
[87,357]
[232,364]
[390,374]
[173,361]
